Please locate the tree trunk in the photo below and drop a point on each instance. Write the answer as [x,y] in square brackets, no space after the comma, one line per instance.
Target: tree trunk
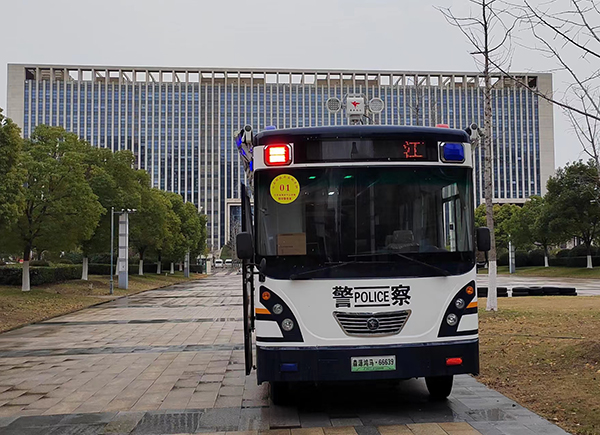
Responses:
[84,269]
[492,299]
[141,268]
[546,260]
[172,268]
[25,279]
[589,255]
[159,265]
[180,266]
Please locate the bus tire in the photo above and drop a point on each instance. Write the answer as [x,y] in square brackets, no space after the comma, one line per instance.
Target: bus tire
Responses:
[439,387]
[280,393]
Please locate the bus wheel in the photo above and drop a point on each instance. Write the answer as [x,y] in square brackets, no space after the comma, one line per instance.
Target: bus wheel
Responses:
[280,393]
[439,386]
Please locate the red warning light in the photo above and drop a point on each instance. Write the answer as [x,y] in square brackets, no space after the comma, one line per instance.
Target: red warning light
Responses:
[278,155]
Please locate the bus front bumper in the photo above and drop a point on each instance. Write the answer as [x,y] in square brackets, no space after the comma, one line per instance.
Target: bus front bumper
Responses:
[323,364]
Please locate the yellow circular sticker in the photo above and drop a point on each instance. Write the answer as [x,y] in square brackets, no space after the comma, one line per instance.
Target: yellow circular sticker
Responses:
[285,189]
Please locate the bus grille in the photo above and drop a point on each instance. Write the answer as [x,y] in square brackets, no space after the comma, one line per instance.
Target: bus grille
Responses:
[369,324]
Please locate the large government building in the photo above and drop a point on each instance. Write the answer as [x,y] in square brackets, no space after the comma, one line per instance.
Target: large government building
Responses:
[180,122]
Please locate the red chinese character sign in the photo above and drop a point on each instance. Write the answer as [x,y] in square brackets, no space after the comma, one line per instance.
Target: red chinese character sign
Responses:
[414,150]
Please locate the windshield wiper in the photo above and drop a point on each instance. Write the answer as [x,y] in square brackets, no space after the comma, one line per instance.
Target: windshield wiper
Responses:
[295,276]
[406,257]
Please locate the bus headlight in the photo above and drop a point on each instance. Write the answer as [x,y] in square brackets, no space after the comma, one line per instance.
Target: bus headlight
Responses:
[287,325]
[277,309]
[460,303]
[452,319]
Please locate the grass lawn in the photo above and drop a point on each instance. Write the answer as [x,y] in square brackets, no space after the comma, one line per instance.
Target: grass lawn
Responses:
[42,302]
[544,352]
[553,272]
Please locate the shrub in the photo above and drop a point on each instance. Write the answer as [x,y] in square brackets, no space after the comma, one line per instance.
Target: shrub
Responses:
[581,251]
[536,257]
[39,263]
[73,257]
[563,253]
[104,269]
[12,275]
[101,258]
[196,268]
[65,261]
[573,261]
[521,259]
[503,259]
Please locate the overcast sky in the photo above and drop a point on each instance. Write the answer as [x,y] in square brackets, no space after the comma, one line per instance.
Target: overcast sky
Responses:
[351,34]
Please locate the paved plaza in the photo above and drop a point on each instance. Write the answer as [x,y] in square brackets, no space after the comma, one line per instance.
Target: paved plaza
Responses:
[171,361]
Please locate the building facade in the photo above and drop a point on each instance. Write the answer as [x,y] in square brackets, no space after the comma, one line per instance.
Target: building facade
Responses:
[180,123]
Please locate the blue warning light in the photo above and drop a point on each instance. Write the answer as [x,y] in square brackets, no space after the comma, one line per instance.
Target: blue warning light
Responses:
[453,152]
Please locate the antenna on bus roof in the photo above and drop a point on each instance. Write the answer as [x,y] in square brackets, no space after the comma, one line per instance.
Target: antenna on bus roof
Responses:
[355,106]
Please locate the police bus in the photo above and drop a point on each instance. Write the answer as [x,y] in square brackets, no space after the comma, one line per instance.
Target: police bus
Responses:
[359,255]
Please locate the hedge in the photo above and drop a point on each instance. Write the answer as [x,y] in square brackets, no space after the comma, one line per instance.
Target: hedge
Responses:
[104,269]
[536,257]
[573,261]
[581,251]
[149,267]
[11,275]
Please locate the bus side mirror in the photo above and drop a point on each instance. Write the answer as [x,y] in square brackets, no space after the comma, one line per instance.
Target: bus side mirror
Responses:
[484,242]
[244,248]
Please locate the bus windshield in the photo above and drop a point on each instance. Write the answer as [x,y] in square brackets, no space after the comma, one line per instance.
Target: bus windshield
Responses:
[362,221]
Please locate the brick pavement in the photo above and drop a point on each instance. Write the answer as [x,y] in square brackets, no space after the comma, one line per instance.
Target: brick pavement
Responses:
[171,361]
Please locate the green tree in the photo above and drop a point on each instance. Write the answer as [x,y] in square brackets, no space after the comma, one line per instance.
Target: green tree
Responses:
[574,203]
[11,172]
[198,246]
[148,226]
[502,215]
[174,245]
[60,209]
[531,225]
[113,179]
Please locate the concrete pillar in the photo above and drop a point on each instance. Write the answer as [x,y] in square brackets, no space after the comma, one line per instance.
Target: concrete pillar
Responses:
[123,261]
[186,265]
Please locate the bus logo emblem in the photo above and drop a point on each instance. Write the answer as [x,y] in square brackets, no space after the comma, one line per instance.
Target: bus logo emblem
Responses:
[373,324]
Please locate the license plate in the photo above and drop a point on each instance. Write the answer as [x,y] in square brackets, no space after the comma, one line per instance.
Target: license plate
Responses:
[373,363]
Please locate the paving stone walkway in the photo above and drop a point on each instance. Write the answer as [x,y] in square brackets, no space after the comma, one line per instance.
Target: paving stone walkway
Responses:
[171,361]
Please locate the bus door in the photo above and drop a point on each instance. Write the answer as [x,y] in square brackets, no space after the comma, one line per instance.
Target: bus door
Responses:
[247,283]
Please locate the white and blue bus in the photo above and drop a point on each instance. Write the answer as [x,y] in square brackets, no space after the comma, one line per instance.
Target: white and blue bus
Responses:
[360,256]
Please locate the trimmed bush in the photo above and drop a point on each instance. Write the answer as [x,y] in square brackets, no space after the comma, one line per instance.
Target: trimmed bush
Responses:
[65,261]
[573,261]
[536,257]
[563,253]
[104,269]
[503,259]
[11,275]
[73,257]
[39,263]
[101,258]
[521,259]
[581,251]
